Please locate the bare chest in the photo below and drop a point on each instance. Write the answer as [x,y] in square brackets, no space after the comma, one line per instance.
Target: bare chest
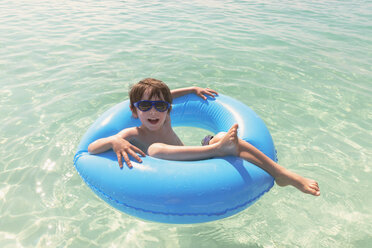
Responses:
[145,139]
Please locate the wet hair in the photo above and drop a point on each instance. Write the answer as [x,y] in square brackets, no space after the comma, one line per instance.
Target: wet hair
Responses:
[154,87]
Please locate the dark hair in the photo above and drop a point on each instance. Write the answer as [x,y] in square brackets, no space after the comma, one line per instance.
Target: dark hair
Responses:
[154,87]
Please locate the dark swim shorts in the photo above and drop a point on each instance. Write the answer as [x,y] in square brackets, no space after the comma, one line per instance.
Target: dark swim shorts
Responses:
[206,140]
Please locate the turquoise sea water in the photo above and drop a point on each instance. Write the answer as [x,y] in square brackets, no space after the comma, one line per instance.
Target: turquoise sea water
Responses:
[303,66]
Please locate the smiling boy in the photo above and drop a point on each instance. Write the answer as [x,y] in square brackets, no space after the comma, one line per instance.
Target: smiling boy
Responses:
[151,102]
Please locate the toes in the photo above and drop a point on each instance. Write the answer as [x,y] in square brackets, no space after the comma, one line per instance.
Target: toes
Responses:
[234,130]
[315,186]
[234,127]
[314,190]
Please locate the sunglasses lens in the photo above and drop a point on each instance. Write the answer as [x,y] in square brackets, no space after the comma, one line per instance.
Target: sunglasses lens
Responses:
[144,105]
[161,106]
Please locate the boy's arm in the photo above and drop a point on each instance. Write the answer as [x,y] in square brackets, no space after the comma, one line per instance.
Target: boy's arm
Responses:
[120,145]
[196,90]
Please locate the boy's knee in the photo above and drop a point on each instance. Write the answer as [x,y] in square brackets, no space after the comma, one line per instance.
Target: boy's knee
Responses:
[155,150]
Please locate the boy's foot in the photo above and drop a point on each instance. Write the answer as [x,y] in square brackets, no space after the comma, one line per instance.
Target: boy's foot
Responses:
[229,142]
[306,185]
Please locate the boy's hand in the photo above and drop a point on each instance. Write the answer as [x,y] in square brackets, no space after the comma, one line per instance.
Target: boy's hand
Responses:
[122,148]
[202,92]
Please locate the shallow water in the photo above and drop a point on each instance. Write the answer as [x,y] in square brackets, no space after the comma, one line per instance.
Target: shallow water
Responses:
[303,66]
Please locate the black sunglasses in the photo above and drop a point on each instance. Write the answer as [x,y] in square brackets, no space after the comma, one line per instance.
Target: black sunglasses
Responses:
[146,105]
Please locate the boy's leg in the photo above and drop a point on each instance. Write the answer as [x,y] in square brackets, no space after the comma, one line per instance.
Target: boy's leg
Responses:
[227,145]
[283,177]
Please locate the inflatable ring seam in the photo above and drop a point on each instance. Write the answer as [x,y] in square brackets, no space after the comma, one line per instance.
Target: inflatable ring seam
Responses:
[180,214]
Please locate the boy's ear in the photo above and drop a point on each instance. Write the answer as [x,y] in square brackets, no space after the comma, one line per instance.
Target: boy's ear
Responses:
[134,112]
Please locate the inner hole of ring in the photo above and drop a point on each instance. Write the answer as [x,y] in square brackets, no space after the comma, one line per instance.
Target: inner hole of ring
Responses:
[191,136]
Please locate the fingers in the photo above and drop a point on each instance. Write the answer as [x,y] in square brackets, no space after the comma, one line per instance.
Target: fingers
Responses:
[135,155]
[119,160]
[137,150]
[126,159]
[132,152]
[203,96]
[208,92]
[211,92]
[123,148]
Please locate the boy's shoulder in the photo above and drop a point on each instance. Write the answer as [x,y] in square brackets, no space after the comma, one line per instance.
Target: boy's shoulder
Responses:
[130,132]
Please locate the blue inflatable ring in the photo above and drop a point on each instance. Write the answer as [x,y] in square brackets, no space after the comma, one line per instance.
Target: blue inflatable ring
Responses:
[180,191]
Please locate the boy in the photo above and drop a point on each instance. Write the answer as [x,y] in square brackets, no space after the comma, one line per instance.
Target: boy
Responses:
[150,101]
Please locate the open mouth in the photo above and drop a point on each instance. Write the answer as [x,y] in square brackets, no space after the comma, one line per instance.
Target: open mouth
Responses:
[153,121]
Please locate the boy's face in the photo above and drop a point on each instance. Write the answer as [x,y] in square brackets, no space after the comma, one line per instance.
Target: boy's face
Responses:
[151,119]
